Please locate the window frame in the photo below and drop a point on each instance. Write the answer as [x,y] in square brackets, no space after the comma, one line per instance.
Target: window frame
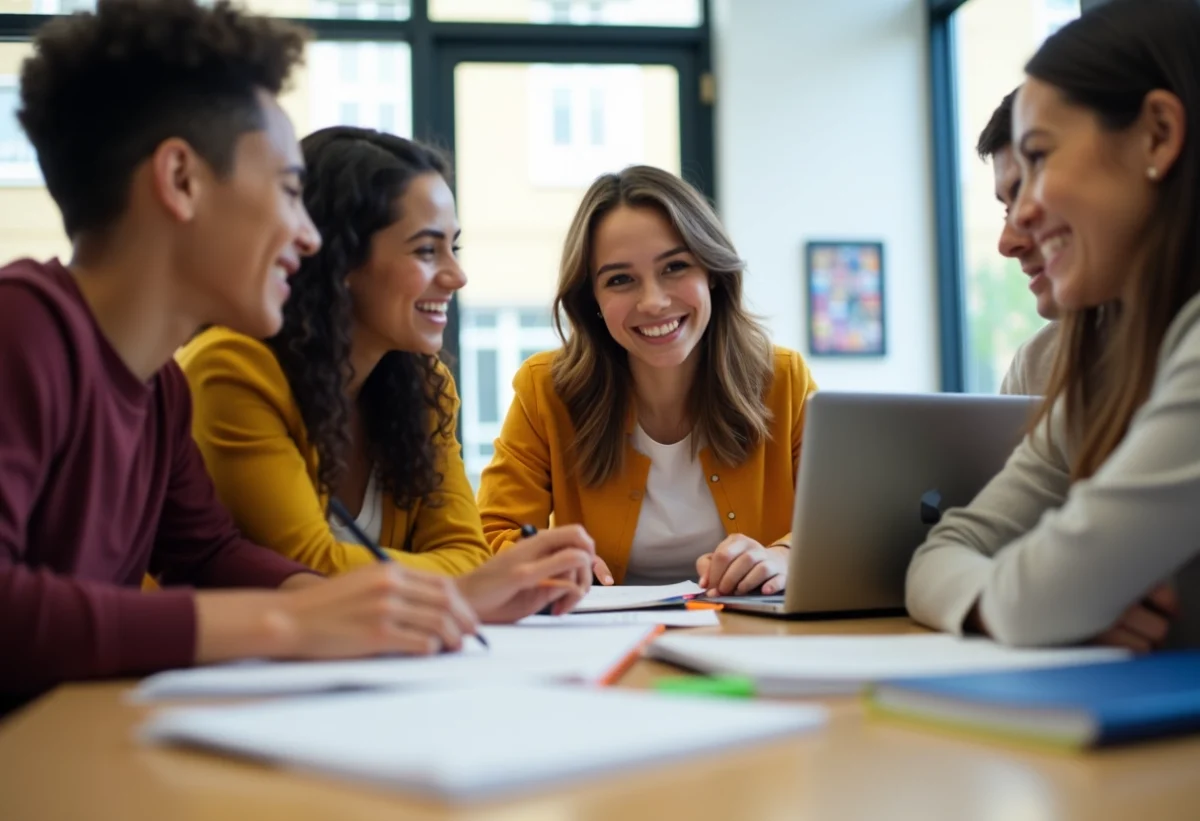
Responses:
[436,46]
[947,187]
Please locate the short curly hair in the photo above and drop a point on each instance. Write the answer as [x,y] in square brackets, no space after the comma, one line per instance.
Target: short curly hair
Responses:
[103,90]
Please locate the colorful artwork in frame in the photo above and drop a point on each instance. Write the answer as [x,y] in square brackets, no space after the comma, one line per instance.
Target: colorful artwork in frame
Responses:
[845,298]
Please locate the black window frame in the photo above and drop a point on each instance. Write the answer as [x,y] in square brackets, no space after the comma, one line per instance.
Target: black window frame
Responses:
[437,45]
[947,186]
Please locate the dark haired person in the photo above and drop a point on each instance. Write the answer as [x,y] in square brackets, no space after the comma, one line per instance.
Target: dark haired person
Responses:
[179,181]
[1029,373]
[667,425]
[350,400]
[1090,531]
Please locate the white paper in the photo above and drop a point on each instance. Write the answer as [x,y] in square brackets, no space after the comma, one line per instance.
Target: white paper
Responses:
[477,742]
[631,597]
[586,654]
[667,618]
[810,665]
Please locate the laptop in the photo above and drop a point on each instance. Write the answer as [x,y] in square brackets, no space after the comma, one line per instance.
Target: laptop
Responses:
[877,471]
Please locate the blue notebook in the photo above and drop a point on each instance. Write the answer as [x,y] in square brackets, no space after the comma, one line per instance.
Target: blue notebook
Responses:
[1087,705]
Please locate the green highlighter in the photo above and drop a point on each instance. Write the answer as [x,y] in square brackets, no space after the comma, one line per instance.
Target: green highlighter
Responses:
[715,686]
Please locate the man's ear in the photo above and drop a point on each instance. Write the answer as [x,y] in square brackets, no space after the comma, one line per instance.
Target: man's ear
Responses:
[178,175]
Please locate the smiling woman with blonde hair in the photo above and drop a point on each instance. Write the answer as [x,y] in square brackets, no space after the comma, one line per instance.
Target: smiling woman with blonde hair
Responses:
[667,424]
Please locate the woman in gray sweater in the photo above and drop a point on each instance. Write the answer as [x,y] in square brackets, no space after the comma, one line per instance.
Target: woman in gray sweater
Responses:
[1092,530]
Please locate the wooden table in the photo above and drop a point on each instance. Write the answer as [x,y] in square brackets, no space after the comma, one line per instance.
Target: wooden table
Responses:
[71,756]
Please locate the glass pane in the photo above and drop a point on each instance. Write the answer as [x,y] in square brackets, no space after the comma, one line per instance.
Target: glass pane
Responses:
[488,397]
[572,12]
[995,39]
[520,174]
[29,222]
[353,9]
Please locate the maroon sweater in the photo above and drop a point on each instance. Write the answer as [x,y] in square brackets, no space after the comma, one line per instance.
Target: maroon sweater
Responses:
[100,482]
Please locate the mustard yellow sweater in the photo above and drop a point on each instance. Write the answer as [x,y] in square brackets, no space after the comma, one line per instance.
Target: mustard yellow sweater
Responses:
[532,476]
[254,443]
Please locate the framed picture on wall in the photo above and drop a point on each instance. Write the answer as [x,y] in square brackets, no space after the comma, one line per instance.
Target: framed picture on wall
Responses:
[845,298]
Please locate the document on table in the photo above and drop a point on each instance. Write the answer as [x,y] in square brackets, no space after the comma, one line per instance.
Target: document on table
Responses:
[663,616]
[465,744]
[636,597]
[582,654]
[815,665]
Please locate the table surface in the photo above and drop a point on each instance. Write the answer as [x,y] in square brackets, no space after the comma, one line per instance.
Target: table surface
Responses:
[72,755]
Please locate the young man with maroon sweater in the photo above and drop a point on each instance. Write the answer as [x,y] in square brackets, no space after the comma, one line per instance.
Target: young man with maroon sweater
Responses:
[179,178]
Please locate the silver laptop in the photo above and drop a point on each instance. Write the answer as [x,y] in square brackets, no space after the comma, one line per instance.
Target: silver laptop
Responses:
[876,472]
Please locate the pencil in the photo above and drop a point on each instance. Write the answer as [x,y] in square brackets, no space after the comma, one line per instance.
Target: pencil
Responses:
[557,583]
[342,515]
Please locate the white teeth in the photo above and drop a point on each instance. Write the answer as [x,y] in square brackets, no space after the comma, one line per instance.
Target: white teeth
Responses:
[280,273]
[1053,245]
[433,307]
[659,330]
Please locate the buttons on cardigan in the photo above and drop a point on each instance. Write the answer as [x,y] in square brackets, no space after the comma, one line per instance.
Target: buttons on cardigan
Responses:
[731,515]
[714,478]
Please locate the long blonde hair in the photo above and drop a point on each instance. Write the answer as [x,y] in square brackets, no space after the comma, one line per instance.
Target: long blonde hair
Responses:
[1108,61]
[591,372]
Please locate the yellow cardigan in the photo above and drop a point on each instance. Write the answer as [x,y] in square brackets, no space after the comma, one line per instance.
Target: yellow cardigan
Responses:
[530,476]
[254,443]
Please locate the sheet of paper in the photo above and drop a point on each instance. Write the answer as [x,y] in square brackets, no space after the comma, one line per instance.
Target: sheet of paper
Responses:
[667,618]
[477,742]
[799,665]
[586,654]
[631,597]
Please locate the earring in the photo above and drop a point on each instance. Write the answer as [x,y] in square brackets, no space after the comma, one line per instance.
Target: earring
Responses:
[599,314]
[1152,173]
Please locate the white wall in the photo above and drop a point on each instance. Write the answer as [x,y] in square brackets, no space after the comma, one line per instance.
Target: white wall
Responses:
[823,132]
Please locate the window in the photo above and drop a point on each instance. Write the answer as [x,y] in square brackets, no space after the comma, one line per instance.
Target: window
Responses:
[363,84]
[586,120]
[18,164]
[494,343]
[562,116]
[994,40]
[596,119]
[677,13]
[348,63]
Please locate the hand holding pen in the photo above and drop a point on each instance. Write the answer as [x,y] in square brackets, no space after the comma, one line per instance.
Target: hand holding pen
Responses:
[425,591]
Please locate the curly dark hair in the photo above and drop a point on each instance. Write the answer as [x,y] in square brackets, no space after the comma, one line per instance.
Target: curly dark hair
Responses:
[356,178]
[103,90]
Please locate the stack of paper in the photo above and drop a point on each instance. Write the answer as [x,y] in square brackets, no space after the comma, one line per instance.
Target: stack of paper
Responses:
[665,617]
[637,597]
[587,654]
[815,665]
[473,743]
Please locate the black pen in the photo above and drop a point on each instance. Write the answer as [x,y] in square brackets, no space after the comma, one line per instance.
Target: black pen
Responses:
[342,515]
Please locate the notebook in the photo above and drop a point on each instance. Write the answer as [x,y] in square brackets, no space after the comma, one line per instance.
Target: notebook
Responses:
[1089,705]
[596,655]
[636,597]
[665,617]
[816,665]
[473,743]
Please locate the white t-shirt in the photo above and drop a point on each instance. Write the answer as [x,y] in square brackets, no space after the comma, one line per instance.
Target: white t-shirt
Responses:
[370,518]
[679,521]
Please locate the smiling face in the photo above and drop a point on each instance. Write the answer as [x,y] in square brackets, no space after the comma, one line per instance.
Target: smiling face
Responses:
[251,230]
[1085,198]
[1016,243]
[402,293]
[653,295]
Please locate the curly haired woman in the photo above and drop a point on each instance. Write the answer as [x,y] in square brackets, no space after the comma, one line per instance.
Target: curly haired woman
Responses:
[349,399]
